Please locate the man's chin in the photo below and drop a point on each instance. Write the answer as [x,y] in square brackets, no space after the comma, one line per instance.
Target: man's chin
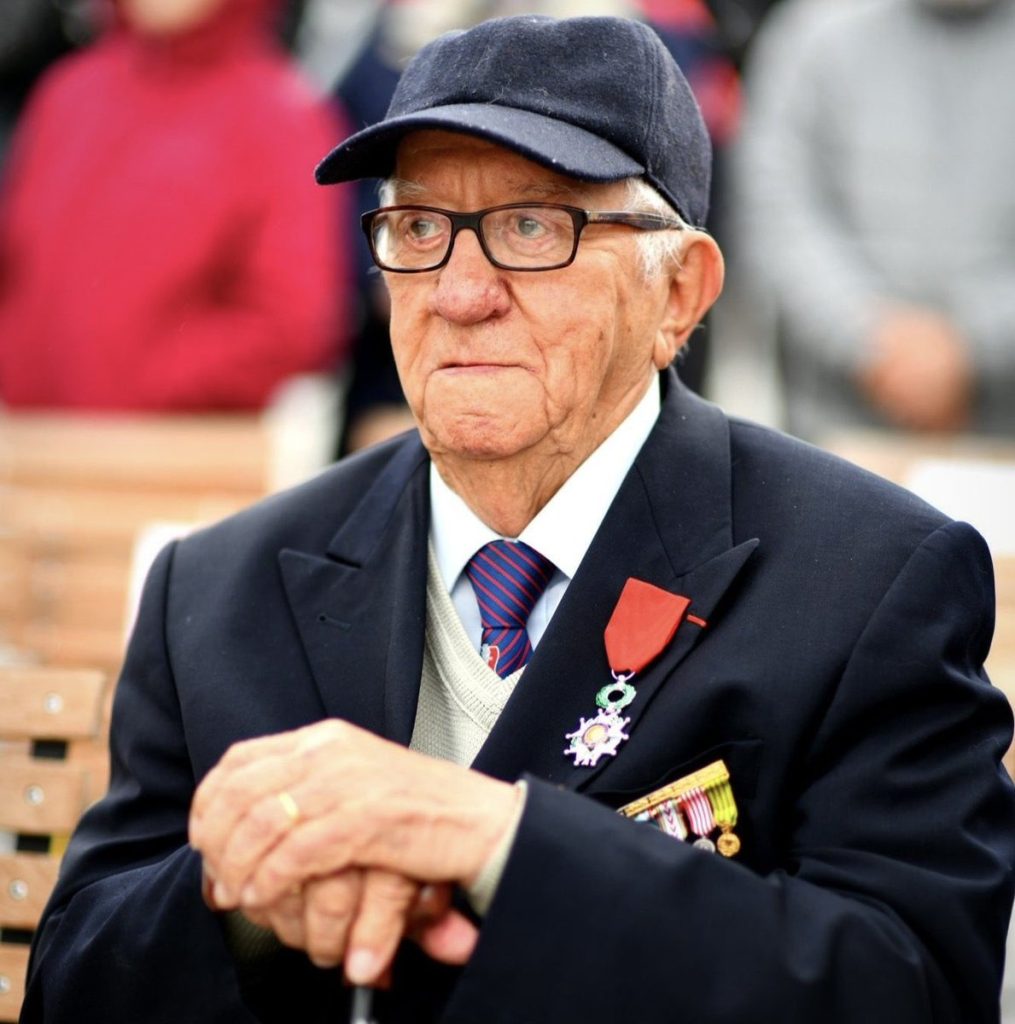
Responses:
[480,437]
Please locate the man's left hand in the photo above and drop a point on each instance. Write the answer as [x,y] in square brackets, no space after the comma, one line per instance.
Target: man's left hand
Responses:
[296,810]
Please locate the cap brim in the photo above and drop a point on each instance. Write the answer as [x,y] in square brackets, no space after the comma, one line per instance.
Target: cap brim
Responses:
[558,145]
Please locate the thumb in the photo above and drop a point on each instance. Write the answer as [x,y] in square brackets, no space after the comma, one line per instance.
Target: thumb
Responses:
[449,939]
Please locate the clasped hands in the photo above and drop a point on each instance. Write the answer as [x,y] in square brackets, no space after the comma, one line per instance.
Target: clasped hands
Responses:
[343,843]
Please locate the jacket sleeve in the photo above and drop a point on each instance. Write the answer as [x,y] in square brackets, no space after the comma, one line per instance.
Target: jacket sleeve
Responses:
[892,899]
[126,936]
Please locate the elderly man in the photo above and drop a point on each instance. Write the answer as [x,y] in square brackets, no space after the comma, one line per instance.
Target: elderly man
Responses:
[768,662]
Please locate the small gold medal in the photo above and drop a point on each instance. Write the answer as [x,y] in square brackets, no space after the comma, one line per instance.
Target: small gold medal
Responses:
[728,844]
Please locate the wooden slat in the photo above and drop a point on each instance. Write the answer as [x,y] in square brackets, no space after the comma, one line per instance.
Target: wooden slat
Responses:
[41,797]
[195,452]
[26,880]
[13,968]
[83,590]
[92,757]
[57,521]
[70,646]
[50,703]
[15,571]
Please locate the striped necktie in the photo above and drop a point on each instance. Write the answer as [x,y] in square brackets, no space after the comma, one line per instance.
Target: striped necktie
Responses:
[507,578]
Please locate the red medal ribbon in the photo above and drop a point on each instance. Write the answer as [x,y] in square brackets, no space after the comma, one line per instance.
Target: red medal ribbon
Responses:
[642,624]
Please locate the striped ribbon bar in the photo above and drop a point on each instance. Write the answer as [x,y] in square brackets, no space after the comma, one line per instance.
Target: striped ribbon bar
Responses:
[697,803]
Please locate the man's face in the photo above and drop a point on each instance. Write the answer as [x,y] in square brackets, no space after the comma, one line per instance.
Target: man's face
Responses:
[498,363]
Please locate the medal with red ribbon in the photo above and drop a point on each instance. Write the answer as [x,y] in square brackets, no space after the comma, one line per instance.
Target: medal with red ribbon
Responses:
[641,626]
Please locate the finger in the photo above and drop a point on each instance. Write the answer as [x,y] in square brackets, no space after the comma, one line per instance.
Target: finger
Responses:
[432,901]
[285,919]
[329,909]
[207,887]
[312,849]
[381,922]
[281,747]
[238,756]
[253,804]
[252,836]
[233,796]
[258,917]
[450,939]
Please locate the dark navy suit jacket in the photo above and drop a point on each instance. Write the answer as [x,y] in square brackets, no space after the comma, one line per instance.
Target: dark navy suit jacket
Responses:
[839,676]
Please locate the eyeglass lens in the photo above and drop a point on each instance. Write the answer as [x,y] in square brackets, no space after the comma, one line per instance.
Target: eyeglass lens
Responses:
[518,237]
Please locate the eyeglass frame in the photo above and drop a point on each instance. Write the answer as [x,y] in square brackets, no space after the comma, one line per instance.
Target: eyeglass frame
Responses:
[580,219]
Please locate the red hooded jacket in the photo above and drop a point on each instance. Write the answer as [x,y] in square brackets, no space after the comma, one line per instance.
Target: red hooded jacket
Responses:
[163,244]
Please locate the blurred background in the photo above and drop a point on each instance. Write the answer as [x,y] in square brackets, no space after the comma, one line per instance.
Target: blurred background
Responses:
[187,323]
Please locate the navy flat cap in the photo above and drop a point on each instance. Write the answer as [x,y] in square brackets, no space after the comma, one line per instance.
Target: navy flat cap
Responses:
[597,99]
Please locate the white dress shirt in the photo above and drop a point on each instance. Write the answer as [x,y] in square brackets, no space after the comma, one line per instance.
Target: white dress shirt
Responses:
[562,530]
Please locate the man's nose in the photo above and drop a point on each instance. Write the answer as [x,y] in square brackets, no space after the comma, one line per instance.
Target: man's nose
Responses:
[469,288]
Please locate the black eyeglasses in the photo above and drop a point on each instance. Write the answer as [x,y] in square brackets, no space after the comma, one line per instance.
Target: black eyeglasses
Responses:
[517,236]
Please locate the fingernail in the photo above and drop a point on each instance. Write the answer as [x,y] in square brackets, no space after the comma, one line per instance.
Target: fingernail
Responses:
[361,966]
[223,897]
[248,897]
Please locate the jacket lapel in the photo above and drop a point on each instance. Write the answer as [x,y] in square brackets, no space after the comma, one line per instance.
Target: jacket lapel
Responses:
[360,611]
[670,525]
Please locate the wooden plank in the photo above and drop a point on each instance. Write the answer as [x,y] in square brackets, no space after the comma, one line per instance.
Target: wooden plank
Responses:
[196,453]
[13,968]
[40,797]
[15,572]
[80,589]
[26,880]
[71,646]
[50,703]
[92,757]
[58,521]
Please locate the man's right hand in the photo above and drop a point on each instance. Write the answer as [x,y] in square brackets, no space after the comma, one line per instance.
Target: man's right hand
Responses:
[358,918]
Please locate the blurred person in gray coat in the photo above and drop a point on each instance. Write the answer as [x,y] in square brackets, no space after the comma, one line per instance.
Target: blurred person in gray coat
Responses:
[878,213]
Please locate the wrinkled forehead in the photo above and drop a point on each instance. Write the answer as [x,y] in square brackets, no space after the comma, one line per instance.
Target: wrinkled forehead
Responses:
[446,162]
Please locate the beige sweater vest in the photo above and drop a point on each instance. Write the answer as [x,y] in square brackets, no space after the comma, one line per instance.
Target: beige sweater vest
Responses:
[460,697]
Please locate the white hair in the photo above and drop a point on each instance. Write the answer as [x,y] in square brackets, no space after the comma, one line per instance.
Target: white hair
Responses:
[659,251]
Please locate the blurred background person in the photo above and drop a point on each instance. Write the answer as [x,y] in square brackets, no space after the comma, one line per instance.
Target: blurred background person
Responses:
[875,174]
[138,268]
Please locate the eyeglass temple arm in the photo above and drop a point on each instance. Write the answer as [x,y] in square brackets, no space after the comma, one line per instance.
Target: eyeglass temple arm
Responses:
[643,221]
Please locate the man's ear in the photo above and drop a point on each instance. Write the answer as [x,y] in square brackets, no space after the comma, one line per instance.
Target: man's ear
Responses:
[694,287]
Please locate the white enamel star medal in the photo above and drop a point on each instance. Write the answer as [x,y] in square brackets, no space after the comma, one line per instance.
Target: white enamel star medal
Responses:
[642,624]
[598,736]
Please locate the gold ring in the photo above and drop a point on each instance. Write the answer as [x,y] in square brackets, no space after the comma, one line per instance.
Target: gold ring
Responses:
[289,805]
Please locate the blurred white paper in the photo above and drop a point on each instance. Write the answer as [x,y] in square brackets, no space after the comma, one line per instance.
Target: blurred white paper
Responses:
[981,493]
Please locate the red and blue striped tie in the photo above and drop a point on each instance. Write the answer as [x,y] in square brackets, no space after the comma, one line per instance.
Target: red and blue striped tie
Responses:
[507,578]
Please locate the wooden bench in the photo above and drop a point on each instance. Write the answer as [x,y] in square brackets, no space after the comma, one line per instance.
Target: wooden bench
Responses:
[75,490]
[53,764]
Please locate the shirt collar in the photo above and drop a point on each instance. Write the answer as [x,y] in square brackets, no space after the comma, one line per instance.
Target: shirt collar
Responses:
[563,529]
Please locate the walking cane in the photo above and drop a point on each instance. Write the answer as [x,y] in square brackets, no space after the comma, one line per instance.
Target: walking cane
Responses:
[362,1005]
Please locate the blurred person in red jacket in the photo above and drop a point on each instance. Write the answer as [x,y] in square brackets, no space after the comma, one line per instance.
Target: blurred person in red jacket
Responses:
[162,244]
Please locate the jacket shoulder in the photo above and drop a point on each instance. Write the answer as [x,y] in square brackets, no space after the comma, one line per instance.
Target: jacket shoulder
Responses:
[792,477]
[309,514]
